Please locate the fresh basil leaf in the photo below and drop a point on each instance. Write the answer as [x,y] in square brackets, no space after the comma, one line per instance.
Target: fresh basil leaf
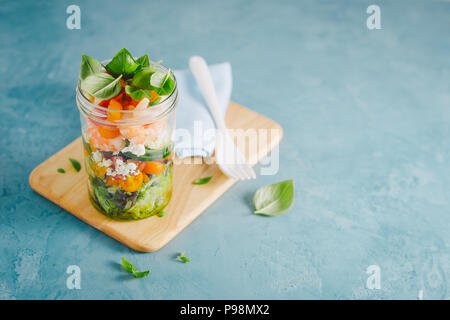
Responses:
[142,78]
[183,258]
[89,66]
[61,170]
[157,79]
[161,214]
[144,61]
[137,94]
[122,63]
[142,274]
[75,164]
[167,85]
[101,85]
[274,199]
[128,266]
[202,180]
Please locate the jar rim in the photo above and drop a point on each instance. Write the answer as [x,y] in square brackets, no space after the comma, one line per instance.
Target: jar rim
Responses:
[168,103]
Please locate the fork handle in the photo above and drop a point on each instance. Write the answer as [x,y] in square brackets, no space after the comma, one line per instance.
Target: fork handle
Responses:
[201,74]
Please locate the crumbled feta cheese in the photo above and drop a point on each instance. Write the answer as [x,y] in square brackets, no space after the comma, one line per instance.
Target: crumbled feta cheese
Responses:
[97,156]
[137,149]
[125,169]
[105,163]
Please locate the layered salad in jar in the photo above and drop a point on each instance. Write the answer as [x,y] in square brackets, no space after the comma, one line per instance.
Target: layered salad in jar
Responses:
[127,115]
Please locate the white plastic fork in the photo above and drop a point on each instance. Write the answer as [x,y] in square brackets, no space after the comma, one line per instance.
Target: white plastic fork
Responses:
[229,159]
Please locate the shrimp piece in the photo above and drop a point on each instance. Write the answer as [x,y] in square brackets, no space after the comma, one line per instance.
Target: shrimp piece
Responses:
[145,133]
[102,143]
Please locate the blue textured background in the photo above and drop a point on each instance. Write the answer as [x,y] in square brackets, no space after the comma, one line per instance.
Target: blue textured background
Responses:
[366,119]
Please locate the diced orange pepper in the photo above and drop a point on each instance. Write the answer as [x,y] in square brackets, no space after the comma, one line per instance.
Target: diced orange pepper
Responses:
[114,115]
[92,99]
[108,132]
[132,183]
[100,171]
[153,167]
[110,181]
[146,178]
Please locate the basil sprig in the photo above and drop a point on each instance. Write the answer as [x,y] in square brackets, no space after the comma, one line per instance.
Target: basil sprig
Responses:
[140,77]
[123,63]
[183,258]
[274,199]
[128,266]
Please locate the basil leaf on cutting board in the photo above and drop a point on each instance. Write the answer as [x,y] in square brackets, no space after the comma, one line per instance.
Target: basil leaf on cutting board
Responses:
[274,199]
[89,66]
[101,85]
[204,180]
[161,214]
[75,164]
[123,63]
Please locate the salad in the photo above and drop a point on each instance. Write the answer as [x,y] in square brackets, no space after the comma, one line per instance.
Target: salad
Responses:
[127,118]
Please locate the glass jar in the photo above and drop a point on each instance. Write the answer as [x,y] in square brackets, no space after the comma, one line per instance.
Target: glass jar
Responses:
[128,154]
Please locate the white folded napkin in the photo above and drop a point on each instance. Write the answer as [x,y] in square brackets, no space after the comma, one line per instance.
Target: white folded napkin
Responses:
[195,127]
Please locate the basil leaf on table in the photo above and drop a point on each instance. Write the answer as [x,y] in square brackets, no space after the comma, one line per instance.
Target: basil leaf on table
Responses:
[204,180]
[142,274]
[89,66]
[144,61]
[101,85]
[128,266]
[61,170]
[183,258]
[75,164]
[274,199]
[123,63]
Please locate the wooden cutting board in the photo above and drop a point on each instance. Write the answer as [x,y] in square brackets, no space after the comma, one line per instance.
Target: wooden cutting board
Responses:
[69,190]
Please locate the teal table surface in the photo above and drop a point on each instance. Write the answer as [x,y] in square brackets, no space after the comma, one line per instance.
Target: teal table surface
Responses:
[366,118]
